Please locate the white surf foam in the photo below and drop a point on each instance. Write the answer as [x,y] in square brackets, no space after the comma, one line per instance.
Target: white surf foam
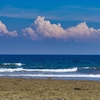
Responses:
[56,70]
[55,76]
[14,64]
[66,76]
[10,70]
[38,70]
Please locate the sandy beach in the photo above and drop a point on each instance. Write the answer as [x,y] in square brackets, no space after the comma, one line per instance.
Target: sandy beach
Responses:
[48,89]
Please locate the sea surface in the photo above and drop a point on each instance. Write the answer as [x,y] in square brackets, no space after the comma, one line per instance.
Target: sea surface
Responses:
[68,67]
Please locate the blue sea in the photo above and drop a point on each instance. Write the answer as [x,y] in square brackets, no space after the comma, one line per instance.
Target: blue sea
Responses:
[67,67]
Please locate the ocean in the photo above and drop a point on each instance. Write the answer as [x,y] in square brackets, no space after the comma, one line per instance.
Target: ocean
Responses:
[67,67]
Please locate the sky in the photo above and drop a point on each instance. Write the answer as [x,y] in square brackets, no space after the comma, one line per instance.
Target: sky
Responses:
[50,27]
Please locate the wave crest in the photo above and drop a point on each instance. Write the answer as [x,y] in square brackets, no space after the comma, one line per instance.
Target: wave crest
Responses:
[12,64]
[37,70]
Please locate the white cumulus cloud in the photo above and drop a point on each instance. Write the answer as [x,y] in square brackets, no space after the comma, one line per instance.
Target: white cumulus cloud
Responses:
[82,31]
[46,29]
[42,28]
[29,32]
[4,31]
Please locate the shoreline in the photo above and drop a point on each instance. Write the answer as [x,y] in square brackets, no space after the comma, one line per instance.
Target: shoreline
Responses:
[48,89]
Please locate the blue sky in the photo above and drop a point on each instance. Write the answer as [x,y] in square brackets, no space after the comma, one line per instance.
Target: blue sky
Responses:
[50,27]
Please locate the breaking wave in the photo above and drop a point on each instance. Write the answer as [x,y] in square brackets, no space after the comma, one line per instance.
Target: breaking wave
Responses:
[12,64]
[37,70]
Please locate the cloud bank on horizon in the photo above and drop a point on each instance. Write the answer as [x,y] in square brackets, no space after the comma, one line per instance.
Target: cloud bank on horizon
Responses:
[42,29]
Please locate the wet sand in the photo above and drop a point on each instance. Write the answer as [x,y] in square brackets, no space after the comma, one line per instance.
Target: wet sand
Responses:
[48,89]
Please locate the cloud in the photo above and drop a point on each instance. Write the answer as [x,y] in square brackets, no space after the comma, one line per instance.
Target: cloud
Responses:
[82,31]
[13,12]
[42,28]
[4,31]
[64,13]
[46,29]
[29,32]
